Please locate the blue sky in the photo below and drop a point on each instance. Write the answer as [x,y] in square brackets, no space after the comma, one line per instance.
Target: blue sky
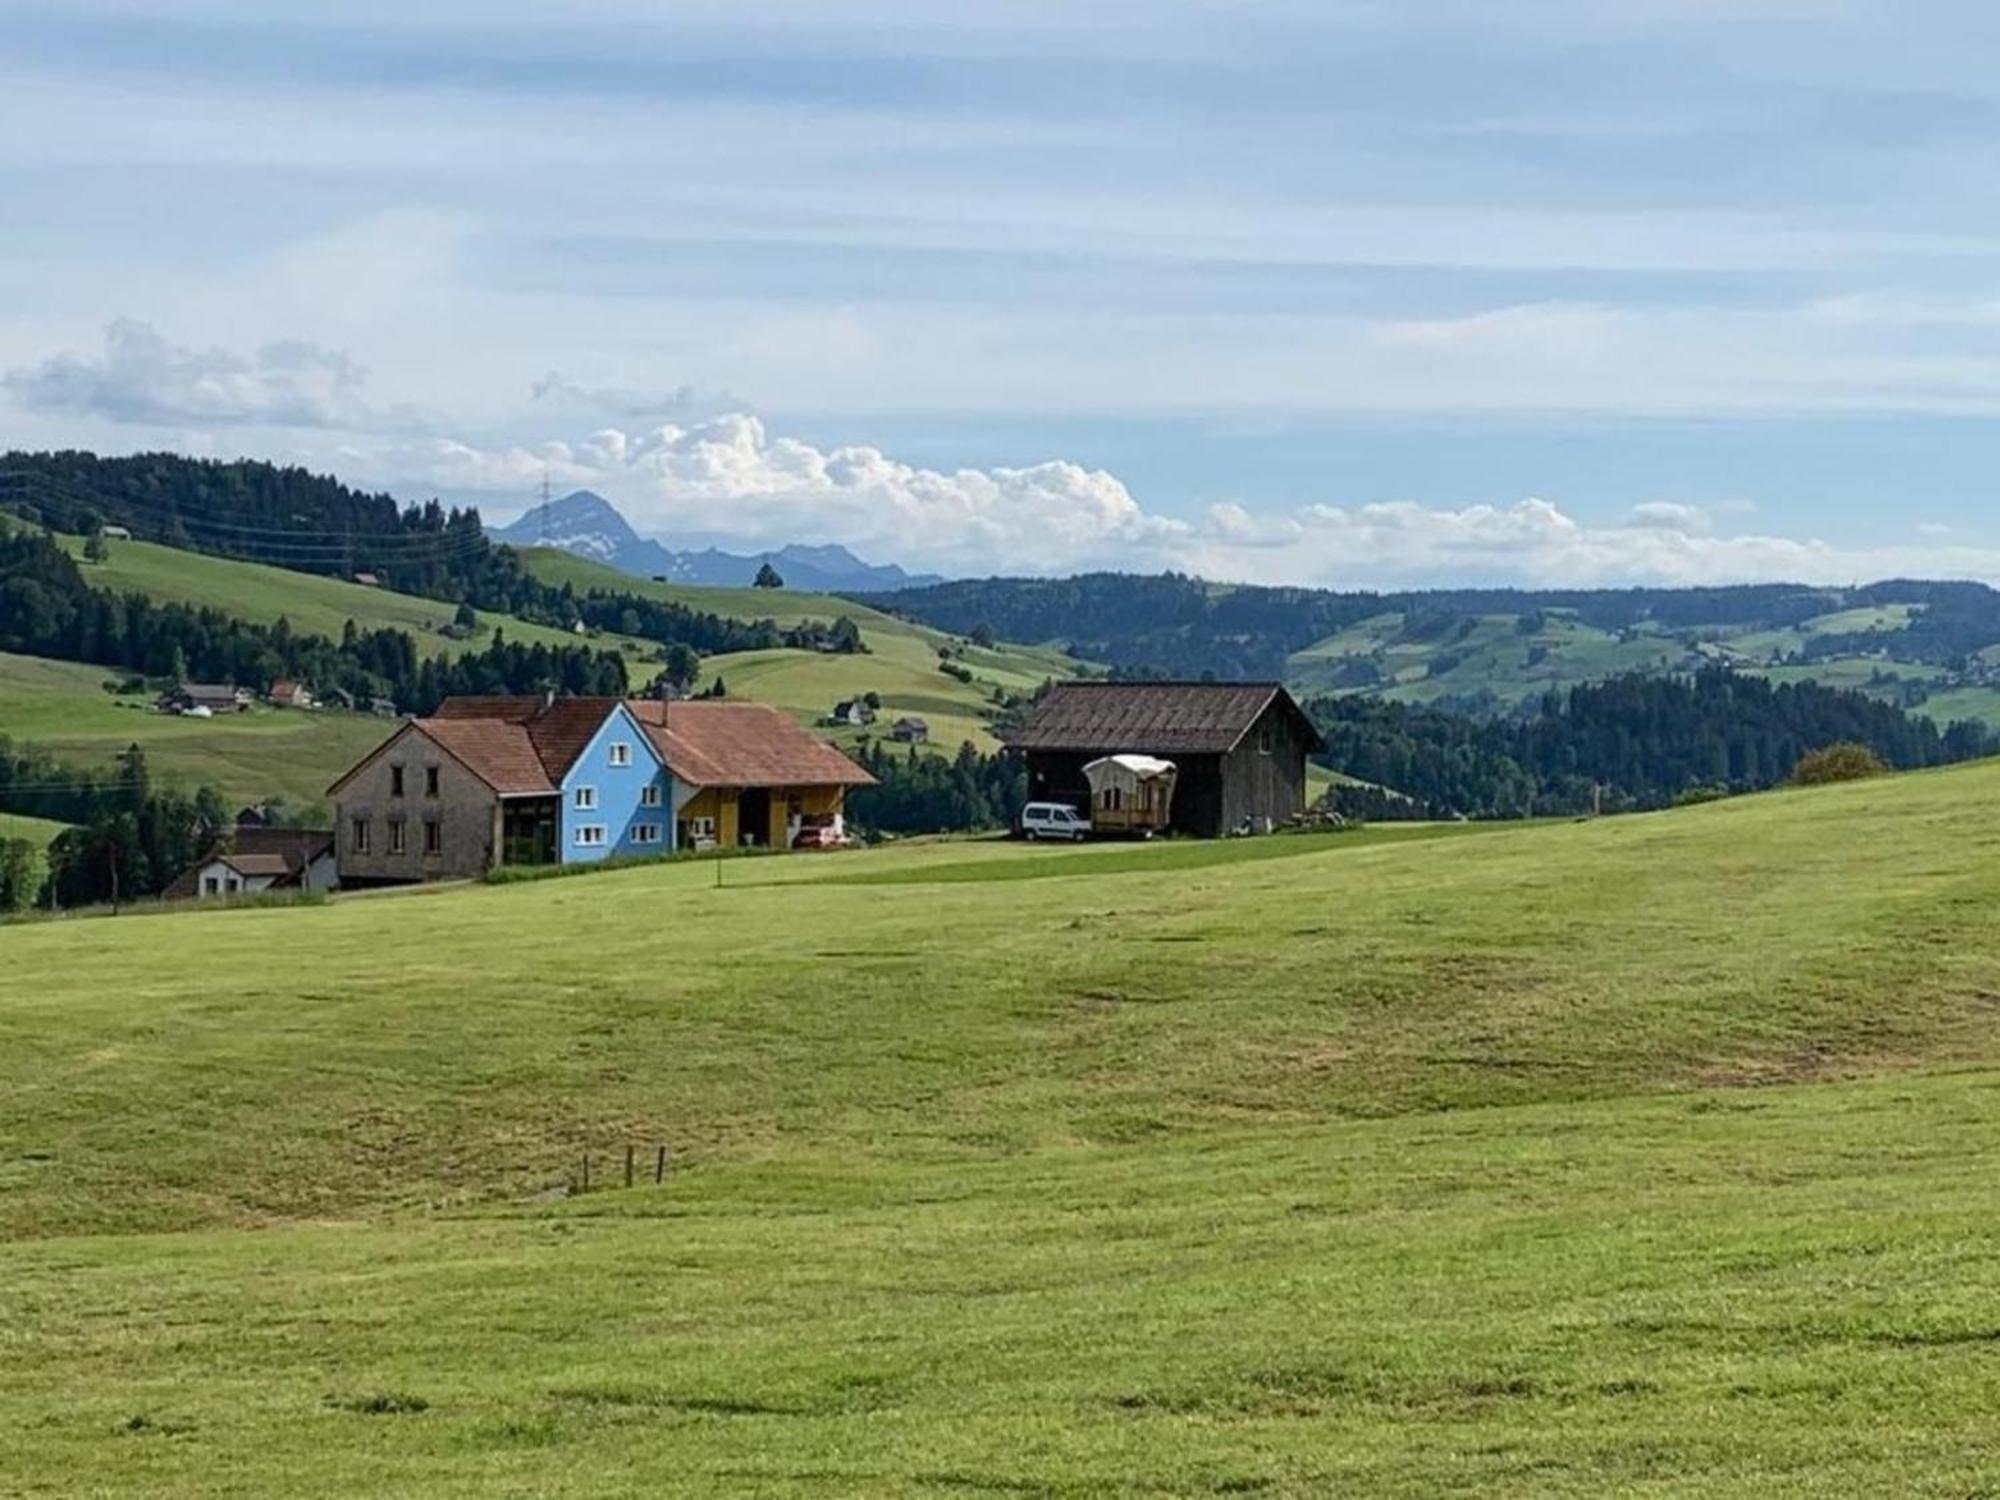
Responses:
[1343,292]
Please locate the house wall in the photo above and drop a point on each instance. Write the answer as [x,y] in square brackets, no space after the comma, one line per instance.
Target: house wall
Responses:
[227,882]
[620,795]
[466,810]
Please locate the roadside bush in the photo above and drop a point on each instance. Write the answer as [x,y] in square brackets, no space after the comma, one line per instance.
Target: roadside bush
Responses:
[1849,760]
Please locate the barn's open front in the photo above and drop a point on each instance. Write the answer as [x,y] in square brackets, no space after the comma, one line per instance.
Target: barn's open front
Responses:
[1238,748]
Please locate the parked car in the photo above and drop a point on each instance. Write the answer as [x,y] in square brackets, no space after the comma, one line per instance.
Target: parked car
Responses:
[1053,820]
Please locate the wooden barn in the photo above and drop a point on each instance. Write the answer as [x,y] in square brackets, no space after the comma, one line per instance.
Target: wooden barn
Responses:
[1238,748]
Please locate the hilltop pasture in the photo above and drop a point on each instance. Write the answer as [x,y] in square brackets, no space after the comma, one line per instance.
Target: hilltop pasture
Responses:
[1649,1155]
[901,664]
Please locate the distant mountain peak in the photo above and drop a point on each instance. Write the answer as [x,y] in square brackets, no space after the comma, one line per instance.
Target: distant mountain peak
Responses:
[583,522]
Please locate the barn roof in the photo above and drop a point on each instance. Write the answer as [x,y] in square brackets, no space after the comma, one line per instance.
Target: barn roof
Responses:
[706,743]
[1153,718]
[497,752]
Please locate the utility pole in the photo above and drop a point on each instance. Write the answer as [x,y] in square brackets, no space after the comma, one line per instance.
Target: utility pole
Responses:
[544,512]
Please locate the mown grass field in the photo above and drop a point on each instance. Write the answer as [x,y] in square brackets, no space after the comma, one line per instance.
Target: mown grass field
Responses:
[901,665]
[1648,1156]
[62,707]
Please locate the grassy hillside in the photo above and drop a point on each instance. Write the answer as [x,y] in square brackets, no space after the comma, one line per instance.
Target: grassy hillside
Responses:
[63,707]
[1499,661]
[321,606]
[34,830]
[902,663]
[1653,1155]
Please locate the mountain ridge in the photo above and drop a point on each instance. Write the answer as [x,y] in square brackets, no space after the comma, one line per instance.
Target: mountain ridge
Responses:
[583,522]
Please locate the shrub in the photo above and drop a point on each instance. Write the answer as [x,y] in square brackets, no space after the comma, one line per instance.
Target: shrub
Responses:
[1848,760]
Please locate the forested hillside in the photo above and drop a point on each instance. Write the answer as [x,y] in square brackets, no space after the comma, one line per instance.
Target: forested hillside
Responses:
[1916,644]
[1633,742]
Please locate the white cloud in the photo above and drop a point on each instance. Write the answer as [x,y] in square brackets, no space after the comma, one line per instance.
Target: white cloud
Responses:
[730,477]
[140,377]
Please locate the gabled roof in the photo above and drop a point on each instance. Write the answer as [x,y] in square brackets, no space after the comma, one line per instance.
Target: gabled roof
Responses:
[282,853]
[1158,718]
[498,753]
[257,864]
[707,743]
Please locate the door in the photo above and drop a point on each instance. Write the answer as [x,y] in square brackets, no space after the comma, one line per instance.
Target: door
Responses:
[753,815]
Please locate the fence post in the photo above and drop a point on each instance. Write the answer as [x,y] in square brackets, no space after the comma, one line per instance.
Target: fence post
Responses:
[660,1166]
[628,1166]
[586,1172]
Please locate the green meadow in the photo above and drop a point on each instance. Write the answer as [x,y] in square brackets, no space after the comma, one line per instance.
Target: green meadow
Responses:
[64,708]
[1649,1156]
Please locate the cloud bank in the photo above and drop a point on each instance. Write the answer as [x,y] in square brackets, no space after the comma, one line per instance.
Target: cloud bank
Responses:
[141,377]
[731,476]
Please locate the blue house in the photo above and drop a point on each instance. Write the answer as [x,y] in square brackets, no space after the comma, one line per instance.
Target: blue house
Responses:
[617,795]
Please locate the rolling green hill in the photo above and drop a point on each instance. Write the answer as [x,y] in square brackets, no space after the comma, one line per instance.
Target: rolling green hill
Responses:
[34,830]
[1648,1155]
[313,603]
[64,707]
[1498,662]
[902,663]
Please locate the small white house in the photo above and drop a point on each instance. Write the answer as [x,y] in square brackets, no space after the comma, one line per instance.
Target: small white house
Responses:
[1131,792]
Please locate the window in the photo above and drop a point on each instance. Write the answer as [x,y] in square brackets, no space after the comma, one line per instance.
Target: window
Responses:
[586,798]
[649,795]
[590,836]
[433,836]
[210,886]
[395,781]
[621,753]
[645,833]
[1264,740]
[701,828]
[430,781]
[395,836]
[360,835]
[233,884]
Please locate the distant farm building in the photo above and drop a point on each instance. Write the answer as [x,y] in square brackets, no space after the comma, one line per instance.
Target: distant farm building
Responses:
[215,697]
[250,858]
[536,781]
[1238,748]
[115,533]
[851,711]
[910,730]
[291,694]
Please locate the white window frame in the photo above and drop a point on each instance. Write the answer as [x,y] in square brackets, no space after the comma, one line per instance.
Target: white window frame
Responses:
[645,833]
[619,753]
[399,838]
[701,828]
[585,799]
[651,794]
[590,836]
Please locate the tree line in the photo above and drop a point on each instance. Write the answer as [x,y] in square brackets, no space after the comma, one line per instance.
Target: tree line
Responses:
[48,608]
[1632,742]
[311,523]
[130,838]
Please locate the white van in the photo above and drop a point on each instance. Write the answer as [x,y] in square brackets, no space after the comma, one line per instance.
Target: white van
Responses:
[1053,820]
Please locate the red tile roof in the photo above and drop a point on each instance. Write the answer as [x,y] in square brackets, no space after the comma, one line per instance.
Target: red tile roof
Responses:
[708,743]
[498,753]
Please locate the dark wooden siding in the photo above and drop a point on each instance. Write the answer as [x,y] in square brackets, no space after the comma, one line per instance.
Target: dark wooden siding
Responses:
[1265,775]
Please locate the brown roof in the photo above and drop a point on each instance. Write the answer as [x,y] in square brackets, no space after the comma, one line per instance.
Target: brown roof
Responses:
[498,753]
[512,707]
[1160,718]
[708,743]
[257,864]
